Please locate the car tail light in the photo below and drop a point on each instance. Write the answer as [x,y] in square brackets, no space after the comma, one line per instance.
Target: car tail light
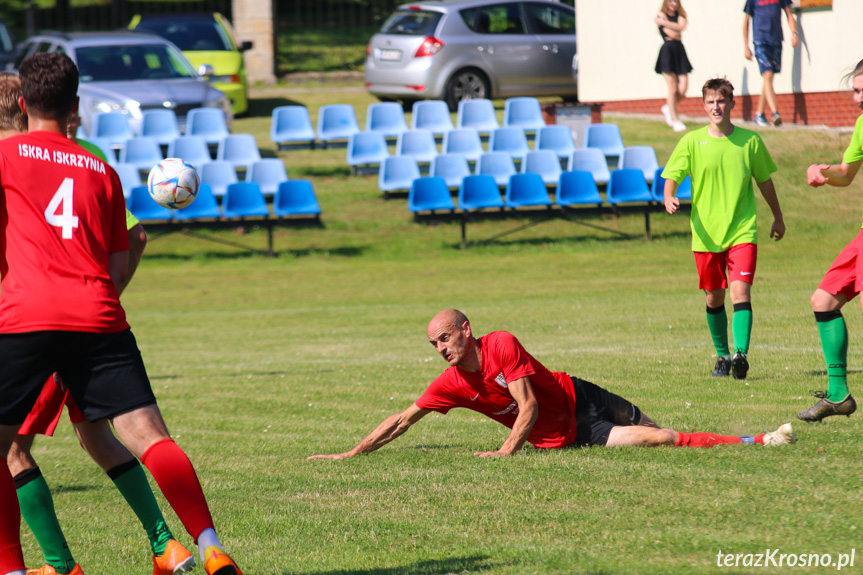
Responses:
[429,47]
[368,49]
[419,88]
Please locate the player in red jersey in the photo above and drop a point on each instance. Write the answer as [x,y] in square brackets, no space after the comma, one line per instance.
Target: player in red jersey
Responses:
[494,375]
[65,251]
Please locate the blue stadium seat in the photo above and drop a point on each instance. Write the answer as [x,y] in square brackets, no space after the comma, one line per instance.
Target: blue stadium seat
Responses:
[239,149]
[590,160]
[526,190]
[478,114]
[417,143]
[558,139]
[218,175]
[479,192]
[605,137]
[464,141]
[336,123]
[576,188]
[268,173]
[388,118]
[113,127]
[143,153]
[192,149]
[291,126]
[640,158]
[209,123]
[684,190]
[144,207]
[105,146]
[429,194]
[628,186]
[296,198]
[510,140]
[545,163]
[397,173]
[366,151]
[432,115]
[244,200]
[451,167]
[130,177]
[498,165]
[205,206]
[160,125]
[524,113]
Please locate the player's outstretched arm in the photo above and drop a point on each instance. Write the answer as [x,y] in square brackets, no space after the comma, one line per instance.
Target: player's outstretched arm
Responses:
[777,230]
[389,429]
[528,410]
[839,175]
[672,204]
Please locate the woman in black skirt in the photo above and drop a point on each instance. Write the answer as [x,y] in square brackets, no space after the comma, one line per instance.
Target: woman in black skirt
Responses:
[672,62]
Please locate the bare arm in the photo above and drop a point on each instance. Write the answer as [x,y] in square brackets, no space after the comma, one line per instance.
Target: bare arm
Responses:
[528,410]
[389,429]
[777,230]
[672,204]
[747,52]
[678,26]
[839,175]
[792,25]
[137,243]
[118,269]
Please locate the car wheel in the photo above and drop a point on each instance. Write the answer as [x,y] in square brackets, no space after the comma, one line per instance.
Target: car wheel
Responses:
[466,84]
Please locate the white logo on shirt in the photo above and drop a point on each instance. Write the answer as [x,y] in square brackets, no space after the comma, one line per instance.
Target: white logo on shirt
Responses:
[475,397]
[501,380]
[512,406]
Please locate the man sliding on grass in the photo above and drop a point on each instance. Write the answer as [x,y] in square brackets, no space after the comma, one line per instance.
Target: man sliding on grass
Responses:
[497,377]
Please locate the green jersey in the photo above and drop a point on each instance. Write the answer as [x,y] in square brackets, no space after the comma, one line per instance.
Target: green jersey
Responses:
[723,200]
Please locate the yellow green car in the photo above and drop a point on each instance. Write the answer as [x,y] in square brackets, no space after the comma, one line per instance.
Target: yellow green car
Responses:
[208,42]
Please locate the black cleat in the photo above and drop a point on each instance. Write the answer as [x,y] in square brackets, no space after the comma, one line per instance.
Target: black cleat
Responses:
[722,367]
[739,366]
[826,408]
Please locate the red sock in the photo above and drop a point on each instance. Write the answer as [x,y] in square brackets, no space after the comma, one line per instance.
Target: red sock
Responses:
[179,483]
[705,439]
[759,439]
[11,555]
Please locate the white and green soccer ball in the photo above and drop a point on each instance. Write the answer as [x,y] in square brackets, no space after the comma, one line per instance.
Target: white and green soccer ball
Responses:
[173,183]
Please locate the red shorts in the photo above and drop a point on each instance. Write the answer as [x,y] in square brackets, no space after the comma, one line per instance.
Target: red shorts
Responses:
[846,273]
[740,261]
[45,415]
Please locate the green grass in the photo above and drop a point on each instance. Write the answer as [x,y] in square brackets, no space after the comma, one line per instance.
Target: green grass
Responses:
[259,363]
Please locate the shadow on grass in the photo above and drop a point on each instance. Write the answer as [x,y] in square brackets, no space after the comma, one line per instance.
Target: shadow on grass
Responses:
[74,488]
[616,236]
[431,567]
[263,107]
[254,252]
[824,373]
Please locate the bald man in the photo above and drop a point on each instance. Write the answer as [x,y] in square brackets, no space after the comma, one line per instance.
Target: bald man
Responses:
[494,375]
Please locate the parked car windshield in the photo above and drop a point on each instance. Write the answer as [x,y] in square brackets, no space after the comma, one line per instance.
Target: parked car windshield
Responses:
[192,36]
[114,63]
[412,23]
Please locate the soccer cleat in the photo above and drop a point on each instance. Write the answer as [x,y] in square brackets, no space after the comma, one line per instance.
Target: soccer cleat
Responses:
[760,120]
[826,408]
[176,559]
[783,435]
[776,119]
[217,562]
[667,113]
[722,367]
[49,570]
[739,366]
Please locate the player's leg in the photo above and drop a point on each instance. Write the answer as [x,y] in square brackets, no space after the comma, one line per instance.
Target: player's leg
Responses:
[768,95]
[712,279]
[741,263]
[649,437]
[682,86]
[762,56]
[11,555]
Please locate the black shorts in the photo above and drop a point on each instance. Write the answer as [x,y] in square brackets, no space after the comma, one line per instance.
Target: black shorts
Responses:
[103,371]
[597,410]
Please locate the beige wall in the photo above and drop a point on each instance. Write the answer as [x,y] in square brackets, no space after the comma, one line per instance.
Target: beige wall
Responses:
[253,20]
[617,54]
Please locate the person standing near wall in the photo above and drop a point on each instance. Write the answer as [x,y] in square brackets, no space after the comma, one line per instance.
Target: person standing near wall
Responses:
[672,62]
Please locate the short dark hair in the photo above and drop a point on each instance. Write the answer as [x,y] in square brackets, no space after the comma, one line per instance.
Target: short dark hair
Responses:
[11,116]
[721,85]
[49,83]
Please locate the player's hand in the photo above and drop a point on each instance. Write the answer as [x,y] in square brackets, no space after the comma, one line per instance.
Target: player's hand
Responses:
[777,230]
[672,205]
[492,454]
[815,175]
[747,53]
[332,456]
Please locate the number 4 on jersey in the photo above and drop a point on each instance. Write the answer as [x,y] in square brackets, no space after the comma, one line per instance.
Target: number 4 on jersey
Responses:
[65,220]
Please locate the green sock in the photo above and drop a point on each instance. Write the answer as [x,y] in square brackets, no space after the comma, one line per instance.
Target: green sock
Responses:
[741,326]
[37,509]
[834,342]
[132,483]
[717,321]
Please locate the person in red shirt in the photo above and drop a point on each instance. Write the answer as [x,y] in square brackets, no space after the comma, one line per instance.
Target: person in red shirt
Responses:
[494,375]
[63,253]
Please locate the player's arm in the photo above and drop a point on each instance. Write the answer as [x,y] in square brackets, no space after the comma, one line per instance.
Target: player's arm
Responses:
[118,269]
[669,192]
[768,190]
[137,243]
[747,52]
[792,25]
[389,429]
[839,175]
[528,410]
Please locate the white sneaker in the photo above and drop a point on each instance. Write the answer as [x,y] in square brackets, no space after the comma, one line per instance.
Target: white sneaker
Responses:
[678,126]
[781,436]
[667,113]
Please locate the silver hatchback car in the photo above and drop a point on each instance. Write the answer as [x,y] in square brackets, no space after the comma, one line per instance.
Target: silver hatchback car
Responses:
[460,49]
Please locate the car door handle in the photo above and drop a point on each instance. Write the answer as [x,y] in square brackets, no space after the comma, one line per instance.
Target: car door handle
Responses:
[553,48]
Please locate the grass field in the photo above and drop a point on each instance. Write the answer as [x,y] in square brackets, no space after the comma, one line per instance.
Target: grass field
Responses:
[259,363]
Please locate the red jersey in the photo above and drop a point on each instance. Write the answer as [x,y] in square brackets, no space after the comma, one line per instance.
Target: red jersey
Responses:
[505,360]
[62,214]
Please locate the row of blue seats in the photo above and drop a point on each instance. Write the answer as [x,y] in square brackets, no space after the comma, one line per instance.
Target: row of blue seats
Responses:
[161,124]
[241,150]
[241,200]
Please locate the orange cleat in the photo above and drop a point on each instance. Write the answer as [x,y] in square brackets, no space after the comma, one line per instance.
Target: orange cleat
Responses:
[217,562]
[176,559]
[49,570]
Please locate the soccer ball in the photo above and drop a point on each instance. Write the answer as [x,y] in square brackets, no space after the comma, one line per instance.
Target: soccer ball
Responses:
[173,183]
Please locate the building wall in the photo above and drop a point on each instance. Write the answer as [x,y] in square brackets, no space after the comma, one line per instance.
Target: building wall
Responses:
[617,57]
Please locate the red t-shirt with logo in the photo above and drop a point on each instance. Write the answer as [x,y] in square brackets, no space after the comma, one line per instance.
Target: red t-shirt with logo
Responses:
[62,214]
[505,360]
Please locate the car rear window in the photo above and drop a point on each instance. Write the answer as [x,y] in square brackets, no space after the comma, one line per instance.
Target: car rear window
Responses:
[114,63]
[205,35]
[412,23]
[494,19]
